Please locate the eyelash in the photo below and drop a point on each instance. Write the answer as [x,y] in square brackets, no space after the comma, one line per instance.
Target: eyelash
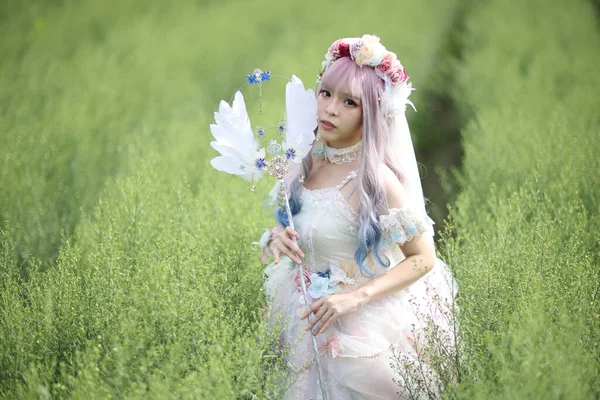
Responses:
[349,102]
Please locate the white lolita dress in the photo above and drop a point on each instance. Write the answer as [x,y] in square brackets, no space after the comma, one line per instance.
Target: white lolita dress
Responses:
[357,350]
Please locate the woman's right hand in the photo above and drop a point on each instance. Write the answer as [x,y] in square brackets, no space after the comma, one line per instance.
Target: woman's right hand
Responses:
[283,243]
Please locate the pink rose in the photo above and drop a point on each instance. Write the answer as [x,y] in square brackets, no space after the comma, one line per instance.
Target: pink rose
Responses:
[344,49]
[397,73]
[297,282]
[334,344]
[386,64]
[334,49]
[404,76]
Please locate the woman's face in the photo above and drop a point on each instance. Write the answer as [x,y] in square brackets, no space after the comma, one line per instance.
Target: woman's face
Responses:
[339,117]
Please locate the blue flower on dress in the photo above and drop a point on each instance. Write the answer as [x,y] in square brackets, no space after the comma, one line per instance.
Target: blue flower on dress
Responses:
[325,274]
[260,131]
[411,230]
[319,286]
[266,76]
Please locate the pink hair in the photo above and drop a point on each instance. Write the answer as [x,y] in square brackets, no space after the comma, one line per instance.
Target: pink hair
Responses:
[377,151]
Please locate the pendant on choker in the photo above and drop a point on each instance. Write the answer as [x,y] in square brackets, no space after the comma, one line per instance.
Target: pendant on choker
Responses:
[343,156]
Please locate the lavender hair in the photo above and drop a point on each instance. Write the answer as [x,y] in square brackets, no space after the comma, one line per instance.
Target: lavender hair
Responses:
[377,151]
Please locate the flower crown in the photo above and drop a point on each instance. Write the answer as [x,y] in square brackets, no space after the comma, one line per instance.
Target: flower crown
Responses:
[367,51]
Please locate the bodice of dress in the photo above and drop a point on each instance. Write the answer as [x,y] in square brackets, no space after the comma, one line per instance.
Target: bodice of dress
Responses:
[328,226]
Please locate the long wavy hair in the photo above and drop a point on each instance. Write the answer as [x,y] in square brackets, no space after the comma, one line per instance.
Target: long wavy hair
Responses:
[377,151]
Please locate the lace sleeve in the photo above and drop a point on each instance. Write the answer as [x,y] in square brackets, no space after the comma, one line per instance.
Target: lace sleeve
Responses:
[403,224]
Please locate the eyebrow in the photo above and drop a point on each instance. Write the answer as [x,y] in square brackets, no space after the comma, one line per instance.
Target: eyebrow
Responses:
[351,97]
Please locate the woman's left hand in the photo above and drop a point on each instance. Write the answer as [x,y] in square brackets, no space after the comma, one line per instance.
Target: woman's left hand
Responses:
[329,309]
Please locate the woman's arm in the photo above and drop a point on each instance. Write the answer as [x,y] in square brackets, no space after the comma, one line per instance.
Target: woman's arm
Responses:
[419,253]
[419,259]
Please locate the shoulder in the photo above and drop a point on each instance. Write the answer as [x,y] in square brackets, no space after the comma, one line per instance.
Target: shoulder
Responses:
[394,191]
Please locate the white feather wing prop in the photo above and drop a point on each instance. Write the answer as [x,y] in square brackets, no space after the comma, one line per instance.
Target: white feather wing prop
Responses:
[235,141]
[301,110]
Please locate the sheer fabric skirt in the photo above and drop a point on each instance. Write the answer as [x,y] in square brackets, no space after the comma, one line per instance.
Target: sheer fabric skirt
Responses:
[383,351]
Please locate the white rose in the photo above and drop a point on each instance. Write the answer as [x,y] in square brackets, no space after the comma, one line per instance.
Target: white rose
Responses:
[370,40]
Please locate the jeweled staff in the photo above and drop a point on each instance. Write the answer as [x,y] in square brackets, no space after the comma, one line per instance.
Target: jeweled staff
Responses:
[241,155]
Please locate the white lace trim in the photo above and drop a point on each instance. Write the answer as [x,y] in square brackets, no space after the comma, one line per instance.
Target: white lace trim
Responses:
[345,155]
[326,196]
[338,275]
[403,224]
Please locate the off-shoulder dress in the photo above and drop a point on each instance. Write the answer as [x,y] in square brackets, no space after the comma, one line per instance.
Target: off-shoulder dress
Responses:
[379,350]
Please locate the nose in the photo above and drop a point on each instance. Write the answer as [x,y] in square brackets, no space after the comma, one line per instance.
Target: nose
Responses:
[331,109]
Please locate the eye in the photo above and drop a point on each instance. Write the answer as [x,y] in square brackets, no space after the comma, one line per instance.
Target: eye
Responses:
[325,93]
[351,102]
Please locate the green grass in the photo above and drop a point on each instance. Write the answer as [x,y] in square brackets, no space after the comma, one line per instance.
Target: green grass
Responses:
[524,243]
[127,270]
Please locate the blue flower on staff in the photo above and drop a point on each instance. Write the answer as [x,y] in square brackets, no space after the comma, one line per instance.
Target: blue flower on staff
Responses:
[258,76]
[260,163]
[290,153]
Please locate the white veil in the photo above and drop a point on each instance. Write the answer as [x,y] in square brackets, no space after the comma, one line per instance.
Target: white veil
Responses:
[404,149]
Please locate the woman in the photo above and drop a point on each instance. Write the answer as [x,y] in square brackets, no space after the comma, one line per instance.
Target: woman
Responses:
[375,285]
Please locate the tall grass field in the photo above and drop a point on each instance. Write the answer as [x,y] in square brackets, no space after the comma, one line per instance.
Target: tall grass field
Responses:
[126,265]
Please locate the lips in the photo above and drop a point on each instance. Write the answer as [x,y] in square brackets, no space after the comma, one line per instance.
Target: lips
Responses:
[327,124]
